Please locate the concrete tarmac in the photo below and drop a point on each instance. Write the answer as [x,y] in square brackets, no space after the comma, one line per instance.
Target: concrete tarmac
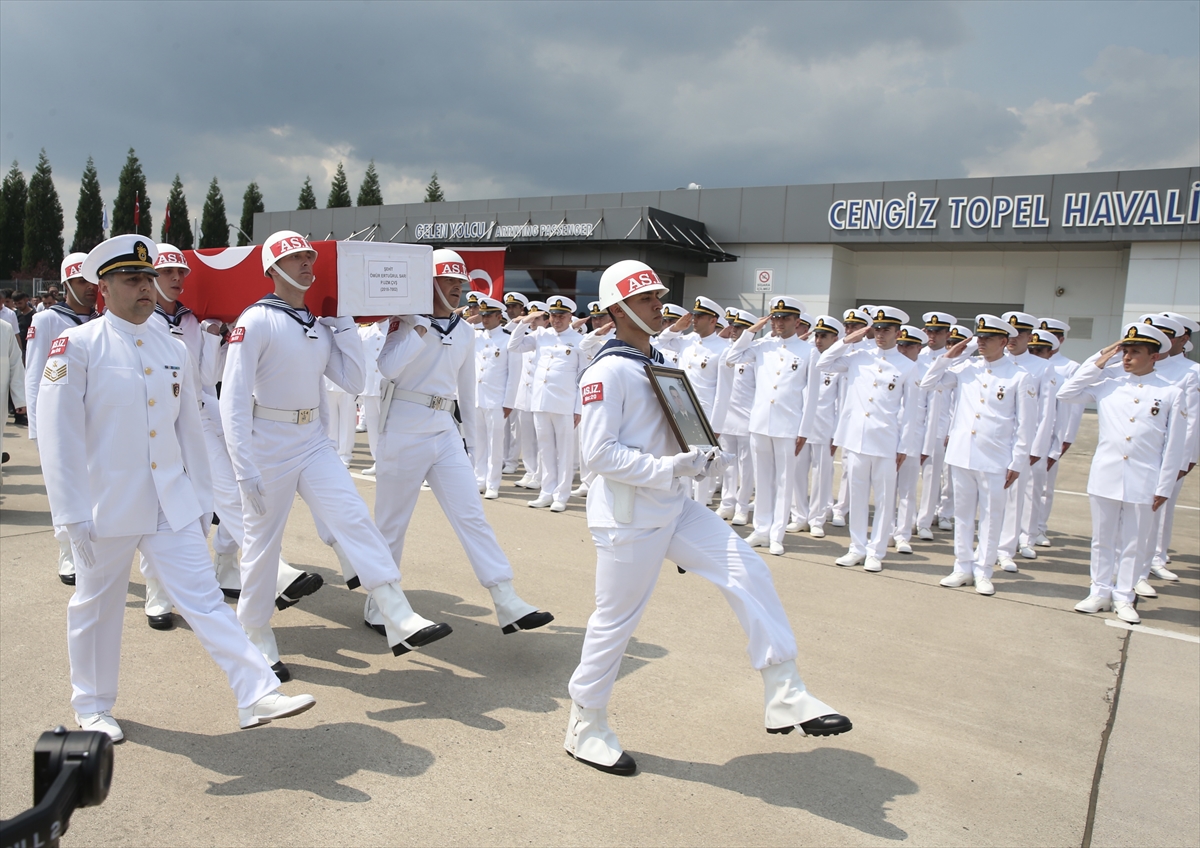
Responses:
[977,721]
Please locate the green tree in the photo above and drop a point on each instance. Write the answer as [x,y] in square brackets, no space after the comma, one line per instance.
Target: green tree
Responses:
[339,192]
[13,195]
[43,249]
[252,201]
[214,226]
[131,193]
[89,214]
[433,191]
[179,233]
[370,193]
[308,198]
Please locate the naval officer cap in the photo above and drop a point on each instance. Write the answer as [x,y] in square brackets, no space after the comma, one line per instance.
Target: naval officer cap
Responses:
[128,253]
[828,324]
[72,266]
[786,305]
[1189,324]
[516,297]
[806,319]
[856,315]
[1172,328]
[1021,321]
[706,306]
[889,316]
[489,304]
[561,304]
[594,310]
[1135,332]
[993,325]
[1044,339]
[722,322]
[1054,325]
[959,333]
[912,335]
[938,320]
[742,318]
[673,310]
[537,306]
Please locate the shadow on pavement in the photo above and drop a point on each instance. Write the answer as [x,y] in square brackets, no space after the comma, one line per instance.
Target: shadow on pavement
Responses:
[842,786]
[275,757]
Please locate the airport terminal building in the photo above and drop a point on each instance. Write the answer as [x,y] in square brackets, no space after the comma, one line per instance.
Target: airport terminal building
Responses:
[1094,249]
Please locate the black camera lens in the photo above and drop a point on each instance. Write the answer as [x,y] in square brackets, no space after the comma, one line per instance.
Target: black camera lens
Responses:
[91,750]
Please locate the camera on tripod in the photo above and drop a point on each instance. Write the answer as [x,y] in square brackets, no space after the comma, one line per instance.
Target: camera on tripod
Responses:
[71,769]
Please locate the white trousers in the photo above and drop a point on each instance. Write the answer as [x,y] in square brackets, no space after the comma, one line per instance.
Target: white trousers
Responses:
[983,491]
[556,452]
[405,459]
[1048,496]
[931,485]
[738,486]
[800,484]
[906,497]
[512,439]
[326,486]
[1121,534]
[946,507]
[370,409]
[866,474]
[628,562]
[1014,512]
[820,501]
[343,417]
[96,614]
[1032,516]
[842,505]
[1164,525]
[489,447]
[774,465]
[529,445]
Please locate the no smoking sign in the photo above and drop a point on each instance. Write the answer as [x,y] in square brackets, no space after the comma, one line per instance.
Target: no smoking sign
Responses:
[764,279]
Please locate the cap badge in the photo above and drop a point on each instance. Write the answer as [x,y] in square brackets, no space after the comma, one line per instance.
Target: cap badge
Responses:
[143,254]
[879,316]
[1132,334]
[982,325]
[1013,320]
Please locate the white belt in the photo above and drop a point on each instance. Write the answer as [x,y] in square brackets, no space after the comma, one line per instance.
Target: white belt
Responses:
[431,401]
[287,416]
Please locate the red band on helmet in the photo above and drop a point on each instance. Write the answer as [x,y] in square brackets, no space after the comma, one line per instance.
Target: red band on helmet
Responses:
[75,270]
[445,269]
[289,243]
[636,282]
[172,259]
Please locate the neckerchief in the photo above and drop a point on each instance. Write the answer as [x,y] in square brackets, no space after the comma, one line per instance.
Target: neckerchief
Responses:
[63,309]
[448,329]
[274,301]
[616,347]
[173,321]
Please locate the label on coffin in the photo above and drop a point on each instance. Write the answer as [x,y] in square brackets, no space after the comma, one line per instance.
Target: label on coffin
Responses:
[380,278]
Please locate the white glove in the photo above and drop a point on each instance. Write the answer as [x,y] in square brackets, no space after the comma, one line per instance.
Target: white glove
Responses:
[690,464]
[413,321]
[721,461]
[211,325]
[254,496]
[339,323]
[81,535]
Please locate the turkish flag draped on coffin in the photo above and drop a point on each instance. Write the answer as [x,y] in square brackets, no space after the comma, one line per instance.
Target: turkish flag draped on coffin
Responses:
[485,267]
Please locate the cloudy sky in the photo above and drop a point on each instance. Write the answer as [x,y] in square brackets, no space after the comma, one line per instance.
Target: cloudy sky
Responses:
[513,99]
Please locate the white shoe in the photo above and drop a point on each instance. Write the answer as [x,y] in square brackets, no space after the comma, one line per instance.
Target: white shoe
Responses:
[983,586]
[873,564]
[481,486]
[273,706]
[849,559]
[103,722]
[491,494]
[956,579]
[924,534]
[425,486]
[526,482]
[838,520]
[1028,552]
[1007,564]
[1041,541]
[787,704]
[557,506]
[902,547]
[944,524]
[580,491]
[725,512]
[509,468]
[758,540]
[1161,572]
[590,740]
[776,549]
[1126,613]
[369,472]
[1093,603]
[740,519]
[1143,589]
[510,608]
[542,501]
[360,428]
[816,531]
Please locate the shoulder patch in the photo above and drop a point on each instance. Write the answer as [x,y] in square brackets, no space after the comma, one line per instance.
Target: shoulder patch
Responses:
[55,371]
[32,332]
[237,335]
[592,392]
[59,346]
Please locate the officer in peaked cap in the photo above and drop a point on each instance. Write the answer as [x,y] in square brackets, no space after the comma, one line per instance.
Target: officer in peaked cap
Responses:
[819,423]
[934,479]
[698,355]
[731,418]
[911,343]
[491,379]
[515,304]
[1137,460]
[517,399]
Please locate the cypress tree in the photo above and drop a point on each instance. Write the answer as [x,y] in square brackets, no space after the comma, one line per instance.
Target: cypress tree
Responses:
[214,226]
[131,190]
[89,214]
[370,193]
[13,195]
[433,191]
[180,232]
[43,249]
[339,192]
[252,201]
[308,198]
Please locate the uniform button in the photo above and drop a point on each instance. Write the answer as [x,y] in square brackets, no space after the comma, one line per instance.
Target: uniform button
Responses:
[1130,419]
[972,432]
[152,401]
[976,414]
[149,370]
[983,400]
[1135,400]
[867,414]
[139,342]
[772,400]
[774,387]
[153,433]
[1128,438]
[1125,457]
[154,465]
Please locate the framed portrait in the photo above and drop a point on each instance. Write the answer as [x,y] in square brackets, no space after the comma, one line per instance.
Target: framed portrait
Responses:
[681,407]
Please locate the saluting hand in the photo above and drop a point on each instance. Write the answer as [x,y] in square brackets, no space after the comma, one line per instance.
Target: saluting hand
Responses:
[957,350]
[857,336]
[1107,354]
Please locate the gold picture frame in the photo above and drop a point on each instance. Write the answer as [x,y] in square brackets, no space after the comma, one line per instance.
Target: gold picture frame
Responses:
[681,407]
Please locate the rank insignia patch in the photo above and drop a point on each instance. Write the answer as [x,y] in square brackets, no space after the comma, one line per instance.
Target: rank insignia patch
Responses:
[55,371]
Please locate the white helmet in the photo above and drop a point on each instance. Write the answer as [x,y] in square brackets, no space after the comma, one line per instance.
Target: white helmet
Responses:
[447,263]
[281,244]
[170,256]
[626,278]
[72,266]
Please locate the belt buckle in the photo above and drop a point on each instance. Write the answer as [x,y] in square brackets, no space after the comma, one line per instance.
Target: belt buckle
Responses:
[435,402]
[303,416]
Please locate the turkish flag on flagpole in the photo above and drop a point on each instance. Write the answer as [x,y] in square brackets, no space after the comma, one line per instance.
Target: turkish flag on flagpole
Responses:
[485,267]
[167,224]
[137,211]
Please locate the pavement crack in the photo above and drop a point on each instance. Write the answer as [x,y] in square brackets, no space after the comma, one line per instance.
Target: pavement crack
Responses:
[1119,667]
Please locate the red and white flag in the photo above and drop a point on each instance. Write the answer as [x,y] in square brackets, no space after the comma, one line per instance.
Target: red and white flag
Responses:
[485,267]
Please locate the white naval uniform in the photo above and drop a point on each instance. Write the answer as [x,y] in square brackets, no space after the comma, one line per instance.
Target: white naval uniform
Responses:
[937,422]
[1143,431]
[1067,417]
[1184,373]
[275,361]
[516,398]
[781,372]
[821,411]
[422,443]
[629,446]
[876,424]
[491,380]
[991,425]
[731,418]
[121,425]
[699,358]
[372,336]
[924,434]
[554,401]
[1016,532]
[12,370]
